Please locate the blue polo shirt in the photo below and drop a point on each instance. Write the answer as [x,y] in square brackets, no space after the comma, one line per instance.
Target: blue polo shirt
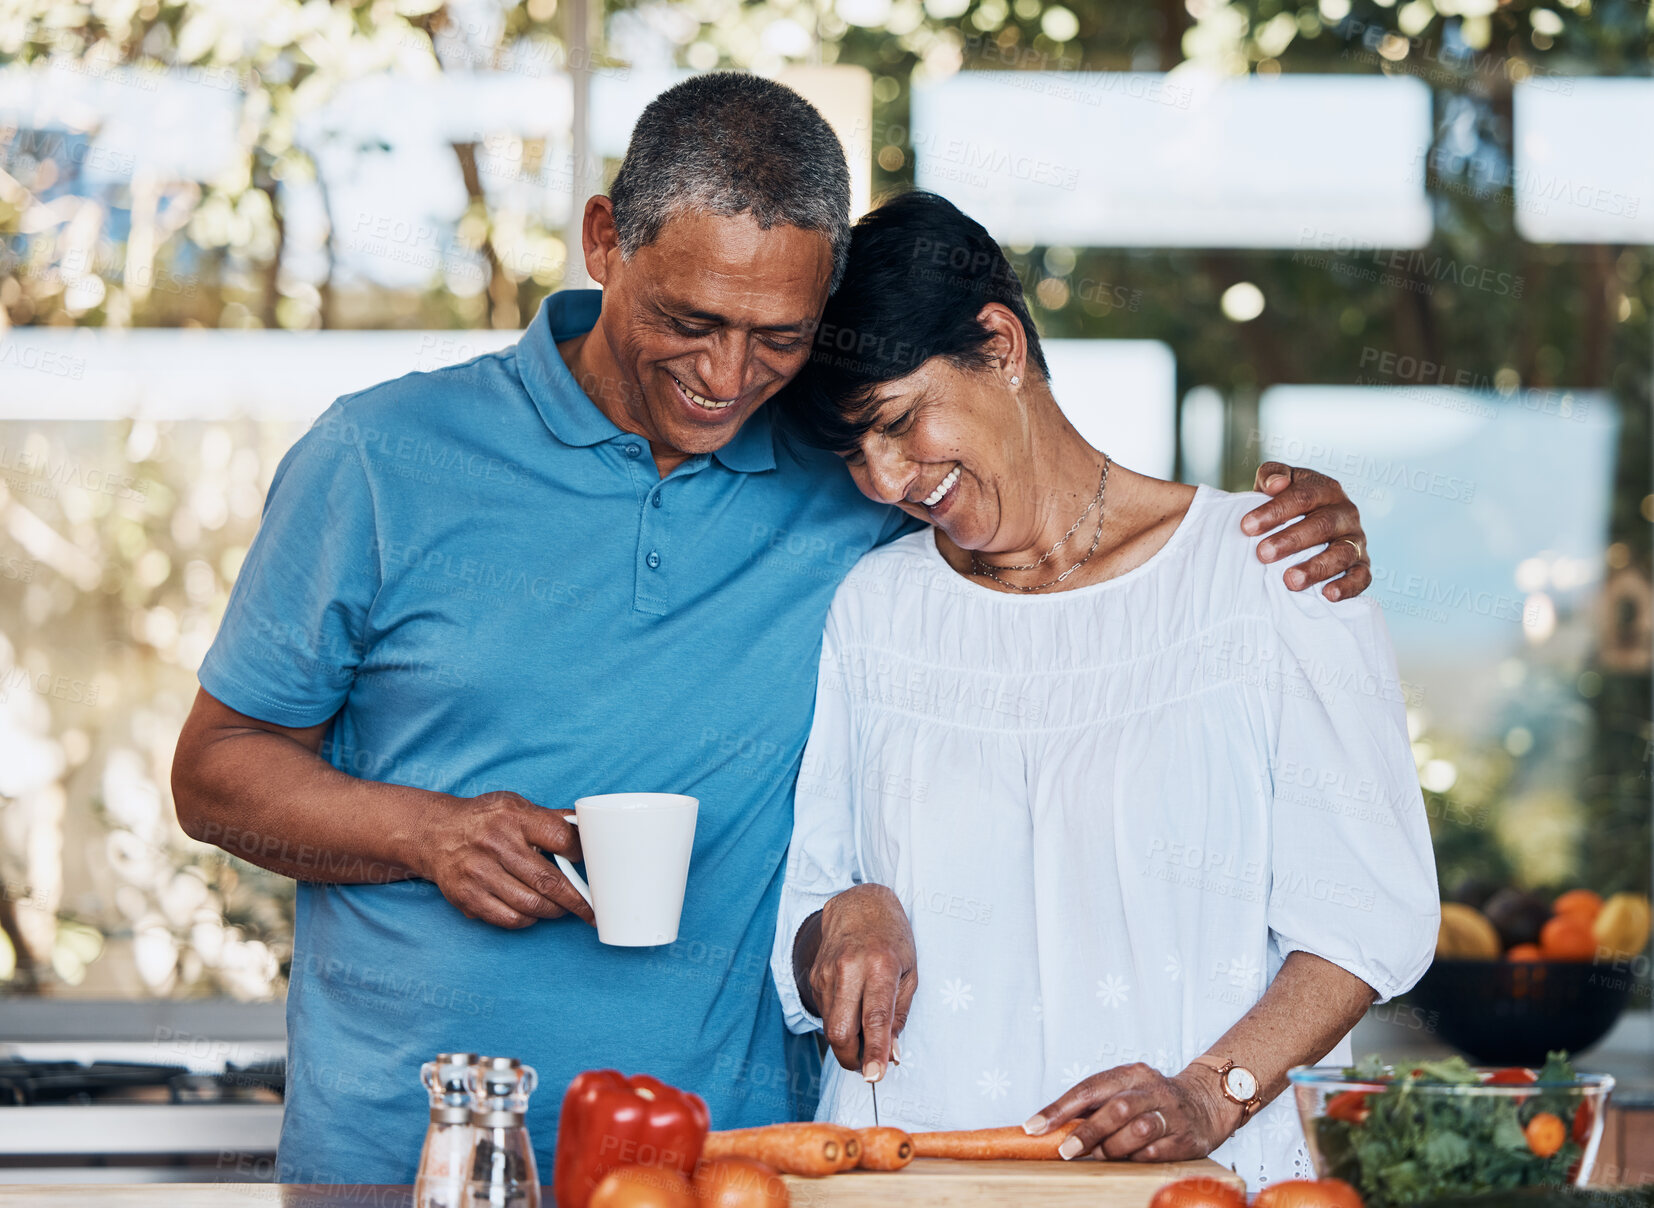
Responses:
[487,585]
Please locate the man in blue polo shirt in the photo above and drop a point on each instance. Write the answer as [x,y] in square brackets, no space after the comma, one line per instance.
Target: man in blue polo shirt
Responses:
[584,564]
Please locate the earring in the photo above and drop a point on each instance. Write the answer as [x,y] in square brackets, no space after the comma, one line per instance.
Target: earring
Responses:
[1015,381]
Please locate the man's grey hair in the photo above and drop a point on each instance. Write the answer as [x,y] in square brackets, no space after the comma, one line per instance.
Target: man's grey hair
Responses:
[729,143]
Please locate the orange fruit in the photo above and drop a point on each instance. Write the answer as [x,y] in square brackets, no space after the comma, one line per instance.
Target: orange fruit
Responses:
[1545,1134]
[1567,937]
[1579,903]
[1525,952]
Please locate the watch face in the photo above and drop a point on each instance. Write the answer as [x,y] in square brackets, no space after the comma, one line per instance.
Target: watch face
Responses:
[1240,1083]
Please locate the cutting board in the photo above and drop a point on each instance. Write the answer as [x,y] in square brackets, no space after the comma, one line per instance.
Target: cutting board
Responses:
[926,1183]
[939,1183]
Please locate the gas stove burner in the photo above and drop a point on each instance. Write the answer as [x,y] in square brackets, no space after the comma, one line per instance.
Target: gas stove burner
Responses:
[34,1083]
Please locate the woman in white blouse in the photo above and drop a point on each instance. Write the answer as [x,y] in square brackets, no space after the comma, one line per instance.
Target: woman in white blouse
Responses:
[1095,813]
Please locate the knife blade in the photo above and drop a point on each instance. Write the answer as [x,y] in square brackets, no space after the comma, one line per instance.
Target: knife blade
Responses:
[871,1086]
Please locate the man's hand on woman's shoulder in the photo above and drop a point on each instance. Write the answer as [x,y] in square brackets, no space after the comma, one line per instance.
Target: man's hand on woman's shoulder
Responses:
[1322,514]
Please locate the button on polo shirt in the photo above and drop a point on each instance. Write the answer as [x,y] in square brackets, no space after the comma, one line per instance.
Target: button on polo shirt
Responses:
[485,584]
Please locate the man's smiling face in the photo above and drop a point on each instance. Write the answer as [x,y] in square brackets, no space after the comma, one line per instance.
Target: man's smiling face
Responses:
[708,321]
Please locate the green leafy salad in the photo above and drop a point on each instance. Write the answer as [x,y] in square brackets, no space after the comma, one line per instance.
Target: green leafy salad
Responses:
[1413,1141]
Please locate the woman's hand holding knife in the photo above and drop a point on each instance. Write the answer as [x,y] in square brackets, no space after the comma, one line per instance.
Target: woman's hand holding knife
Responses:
[855,967]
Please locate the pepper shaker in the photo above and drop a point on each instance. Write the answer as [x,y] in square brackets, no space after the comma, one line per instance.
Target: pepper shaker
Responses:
[503,1171]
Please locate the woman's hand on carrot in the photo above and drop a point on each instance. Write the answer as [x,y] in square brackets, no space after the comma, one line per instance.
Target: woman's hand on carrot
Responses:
[862,976]
[1135,1111]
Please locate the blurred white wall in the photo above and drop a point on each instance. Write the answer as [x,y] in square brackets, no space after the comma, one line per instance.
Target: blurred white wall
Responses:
[1581,176]
[1138,159]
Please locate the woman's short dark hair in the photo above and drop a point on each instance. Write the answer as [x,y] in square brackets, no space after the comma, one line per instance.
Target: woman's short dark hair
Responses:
[919,273]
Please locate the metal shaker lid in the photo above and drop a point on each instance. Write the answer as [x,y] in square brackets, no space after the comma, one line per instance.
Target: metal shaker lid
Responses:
[445,1079]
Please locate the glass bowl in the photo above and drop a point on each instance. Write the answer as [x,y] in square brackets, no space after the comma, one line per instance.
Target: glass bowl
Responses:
[1401,1140]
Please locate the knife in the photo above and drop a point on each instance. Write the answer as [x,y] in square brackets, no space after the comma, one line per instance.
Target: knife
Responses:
[873,1087]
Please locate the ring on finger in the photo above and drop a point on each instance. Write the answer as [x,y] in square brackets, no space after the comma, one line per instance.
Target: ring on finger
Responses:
[1164,1127]
[1356,546]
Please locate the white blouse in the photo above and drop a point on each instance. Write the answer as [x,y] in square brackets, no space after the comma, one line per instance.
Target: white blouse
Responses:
[1110,814]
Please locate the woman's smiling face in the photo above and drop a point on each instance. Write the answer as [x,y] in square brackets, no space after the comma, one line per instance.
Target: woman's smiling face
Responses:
[953,448]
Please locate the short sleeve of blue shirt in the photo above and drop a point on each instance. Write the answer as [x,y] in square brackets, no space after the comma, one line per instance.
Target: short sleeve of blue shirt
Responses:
[296,623]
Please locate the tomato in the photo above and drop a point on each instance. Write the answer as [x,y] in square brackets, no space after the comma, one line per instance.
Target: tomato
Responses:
[643,1187]
[1199,1193]
[1350,1106]
[1308,1193]
[1512,1076]
[1583,1119]
[739,1183]
[1545,1134]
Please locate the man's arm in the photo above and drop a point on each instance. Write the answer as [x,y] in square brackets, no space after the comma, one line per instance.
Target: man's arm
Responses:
[1324,515]
[262,792]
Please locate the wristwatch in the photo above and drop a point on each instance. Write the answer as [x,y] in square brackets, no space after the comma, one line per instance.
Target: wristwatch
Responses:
[1240,1085]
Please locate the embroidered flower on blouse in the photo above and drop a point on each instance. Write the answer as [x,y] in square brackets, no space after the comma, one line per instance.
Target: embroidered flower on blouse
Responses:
[1174,967]
[1113,990]
[1243,973]
[957,994]
[995,1084]
[1075,1073]
[1279,1125]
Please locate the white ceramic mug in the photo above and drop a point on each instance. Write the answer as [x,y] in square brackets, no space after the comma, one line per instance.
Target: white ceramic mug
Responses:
[636,848]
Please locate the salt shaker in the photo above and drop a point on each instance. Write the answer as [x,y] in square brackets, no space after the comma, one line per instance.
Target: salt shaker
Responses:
[445,1162]
[503,1173]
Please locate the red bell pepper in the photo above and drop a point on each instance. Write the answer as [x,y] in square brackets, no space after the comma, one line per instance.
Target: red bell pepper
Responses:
[610,1121]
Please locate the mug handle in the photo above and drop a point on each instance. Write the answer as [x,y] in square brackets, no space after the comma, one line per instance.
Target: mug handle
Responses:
[574,878]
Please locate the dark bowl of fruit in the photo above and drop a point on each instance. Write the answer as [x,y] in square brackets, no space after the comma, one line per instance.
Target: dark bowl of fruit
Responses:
[1524,976]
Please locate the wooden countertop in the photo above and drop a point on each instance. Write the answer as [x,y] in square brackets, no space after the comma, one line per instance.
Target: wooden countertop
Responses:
[926,1182]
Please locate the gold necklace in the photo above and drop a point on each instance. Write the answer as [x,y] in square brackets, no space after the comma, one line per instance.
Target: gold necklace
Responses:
[979,567]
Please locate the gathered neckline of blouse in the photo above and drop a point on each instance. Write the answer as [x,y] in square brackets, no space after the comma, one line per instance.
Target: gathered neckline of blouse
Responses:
[1203,495]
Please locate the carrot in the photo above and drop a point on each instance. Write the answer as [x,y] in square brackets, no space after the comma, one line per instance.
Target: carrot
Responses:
[1545,1134]
[991,1144]
[884,1148]
[852,1147]
[808,1149]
